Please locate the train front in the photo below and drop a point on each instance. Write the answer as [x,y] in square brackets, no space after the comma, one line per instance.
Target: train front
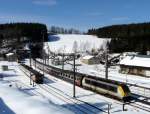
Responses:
[124,92]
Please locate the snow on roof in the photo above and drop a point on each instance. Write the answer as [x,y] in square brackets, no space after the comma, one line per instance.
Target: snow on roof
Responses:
[9,54]
[65,43]
[77,63]
[87,57]
[16,101]
[136,60]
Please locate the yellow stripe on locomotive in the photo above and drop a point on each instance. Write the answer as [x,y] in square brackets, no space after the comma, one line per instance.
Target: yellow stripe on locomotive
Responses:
[123,90]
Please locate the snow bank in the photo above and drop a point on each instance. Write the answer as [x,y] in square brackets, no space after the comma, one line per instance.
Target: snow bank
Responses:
[70,43]
[14,101]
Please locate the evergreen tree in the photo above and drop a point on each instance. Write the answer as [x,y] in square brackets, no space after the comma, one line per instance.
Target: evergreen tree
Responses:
[126,37]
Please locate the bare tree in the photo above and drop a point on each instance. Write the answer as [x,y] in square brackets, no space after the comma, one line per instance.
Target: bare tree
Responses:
[75,47]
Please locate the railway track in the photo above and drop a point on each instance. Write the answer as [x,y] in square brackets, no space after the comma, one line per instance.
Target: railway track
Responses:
[139,103]
[23,87]
[86,108]
[139,106]
[75,104]
[140,98]
[134,105]
[82,106]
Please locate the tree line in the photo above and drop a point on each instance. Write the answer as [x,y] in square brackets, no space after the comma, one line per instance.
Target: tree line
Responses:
[126,37]
[18,31]
[61,30]
[16,35]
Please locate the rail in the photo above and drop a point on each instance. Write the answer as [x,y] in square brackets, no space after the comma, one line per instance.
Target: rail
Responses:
[144,96]
[87,108]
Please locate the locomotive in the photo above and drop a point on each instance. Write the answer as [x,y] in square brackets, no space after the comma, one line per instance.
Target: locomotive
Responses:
[35,76]
[107,87]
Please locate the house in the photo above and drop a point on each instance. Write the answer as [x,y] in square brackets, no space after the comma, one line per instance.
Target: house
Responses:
[11,57]
[136,64]
[57,61]
[90,60]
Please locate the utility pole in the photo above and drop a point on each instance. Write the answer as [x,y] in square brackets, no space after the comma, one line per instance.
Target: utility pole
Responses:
[43,52]
[45,59]
[106,64]
[48,57]
[63,61]
[109,107]
[33,83]
[63,58]
[35,63]
[74,75]
[30,60]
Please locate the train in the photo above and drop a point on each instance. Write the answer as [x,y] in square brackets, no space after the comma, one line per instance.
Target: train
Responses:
[103,86]
[35,75]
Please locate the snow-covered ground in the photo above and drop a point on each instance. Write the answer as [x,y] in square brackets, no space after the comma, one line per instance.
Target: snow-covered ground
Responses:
[67,43]
[17,96]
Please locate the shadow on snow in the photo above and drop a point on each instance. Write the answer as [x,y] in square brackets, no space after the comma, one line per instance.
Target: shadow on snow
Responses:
[53,38]
[48,81]
[2,75]
[4,109]
[76,108]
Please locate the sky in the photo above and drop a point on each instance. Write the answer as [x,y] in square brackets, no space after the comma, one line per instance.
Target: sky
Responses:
[78,14]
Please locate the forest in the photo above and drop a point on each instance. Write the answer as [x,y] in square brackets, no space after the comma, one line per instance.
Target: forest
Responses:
[61,30]
[16,31]
[16,35]
[126,37]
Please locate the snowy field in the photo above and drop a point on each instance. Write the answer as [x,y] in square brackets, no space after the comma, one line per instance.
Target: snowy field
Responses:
[67,43]
[17,96]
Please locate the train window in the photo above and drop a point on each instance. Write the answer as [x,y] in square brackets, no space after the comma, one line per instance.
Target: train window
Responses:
[94,83]
[101,85]
[87,81]
[111,88]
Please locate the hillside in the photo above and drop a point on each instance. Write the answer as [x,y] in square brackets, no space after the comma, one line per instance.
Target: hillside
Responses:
[69,43]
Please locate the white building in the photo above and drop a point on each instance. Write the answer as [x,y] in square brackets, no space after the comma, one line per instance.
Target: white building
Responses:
[136,64]
[90,60]
[11,57]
